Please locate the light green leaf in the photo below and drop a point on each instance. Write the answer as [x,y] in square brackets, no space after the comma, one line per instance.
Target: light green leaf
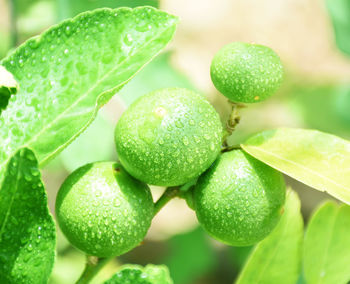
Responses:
[8,87]
[27,230]
[326,254]
[339,11]
[136,274]
[317,159]
[74,68]
[277,259]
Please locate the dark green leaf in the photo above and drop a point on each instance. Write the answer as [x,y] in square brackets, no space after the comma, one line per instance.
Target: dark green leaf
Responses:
[27,230]
[74,68]
[317,159]
[136,274]
[339,11]
[326,250]
[8,87]
[277,259]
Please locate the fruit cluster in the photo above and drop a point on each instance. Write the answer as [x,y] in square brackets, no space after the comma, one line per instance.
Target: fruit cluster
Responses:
[171,137]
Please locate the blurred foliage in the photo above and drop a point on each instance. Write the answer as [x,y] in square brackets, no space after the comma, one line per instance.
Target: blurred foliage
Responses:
[323,106]
[87,149]
[35,18]
[190,257]
[157,74]
[339,11]
[71,8]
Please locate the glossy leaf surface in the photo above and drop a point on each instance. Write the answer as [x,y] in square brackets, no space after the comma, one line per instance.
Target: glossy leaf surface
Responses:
[317,159]
[71,70]
[136,274]
[27,230]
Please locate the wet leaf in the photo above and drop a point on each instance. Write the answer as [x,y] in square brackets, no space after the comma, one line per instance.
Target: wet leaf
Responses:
[73,69]
[136,274]
[27,230]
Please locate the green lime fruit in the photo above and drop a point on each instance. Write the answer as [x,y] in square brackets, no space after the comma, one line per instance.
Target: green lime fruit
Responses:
[102,210]
[168,137]
[246,73]
[239,199]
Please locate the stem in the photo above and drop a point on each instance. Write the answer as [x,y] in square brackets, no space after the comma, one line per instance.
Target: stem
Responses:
[167,195]
[13,23]
[93,266]
[233,120]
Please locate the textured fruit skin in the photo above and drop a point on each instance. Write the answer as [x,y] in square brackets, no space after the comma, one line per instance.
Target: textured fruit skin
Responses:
[102,210]
[239,199]
[168,137]
[246,73]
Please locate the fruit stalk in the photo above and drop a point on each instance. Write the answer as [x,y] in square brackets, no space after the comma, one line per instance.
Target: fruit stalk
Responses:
[167,195]
[93,266]
[233,120]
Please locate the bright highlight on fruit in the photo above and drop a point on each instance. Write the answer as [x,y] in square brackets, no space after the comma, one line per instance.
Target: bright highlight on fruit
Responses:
[168,137]
[239,199]
[102,210]
[246,73]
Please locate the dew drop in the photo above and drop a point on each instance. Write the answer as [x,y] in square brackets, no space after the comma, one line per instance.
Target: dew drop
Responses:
[128,39]
[185,141]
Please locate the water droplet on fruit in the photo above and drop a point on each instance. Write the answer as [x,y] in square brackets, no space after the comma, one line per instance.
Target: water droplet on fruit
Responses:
[179,124]
[185,141]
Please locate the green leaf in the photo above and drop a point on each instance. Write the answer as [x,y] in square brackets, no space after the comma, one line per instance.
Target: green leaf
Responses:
[156,75]
[339,11]
[68,8]
[136,274]
[74,68]
[8,87]
[326,249]
[27,230]
[315,158]
[277,258]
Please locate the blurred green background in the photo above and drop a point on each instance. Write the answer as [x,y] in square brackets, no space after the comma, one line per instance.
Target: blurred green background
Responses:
[312,38]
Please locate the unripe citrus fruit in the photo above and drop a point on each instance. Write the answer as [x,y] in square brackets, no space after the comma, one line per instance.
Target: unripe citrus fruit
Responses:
[102,210]
[168,137]
[246,73]
[239,199]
